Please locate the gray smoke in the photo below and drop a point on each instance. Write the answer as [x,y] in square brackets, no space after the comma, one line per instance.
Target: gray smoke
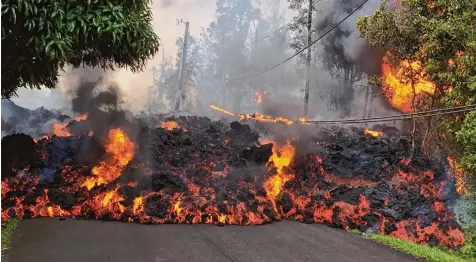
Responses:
[344,41]
[101,99]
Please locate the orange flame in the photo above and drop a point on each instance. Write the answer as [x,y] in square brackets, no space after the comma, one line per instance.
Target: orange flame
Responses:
[82,117]
[267,119]
[259,96]
[459,177]
[59,129]
[121,150]
[222,219]
[373,133]
[397,86]
[222,110]
[169,125]
[261,118]
[138,205]
[281,158]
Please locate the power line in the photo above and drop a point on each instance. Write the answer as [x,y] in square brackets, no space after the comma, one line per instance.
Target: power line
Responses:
[396,118]
[300,51]
[404,116]
[435,112]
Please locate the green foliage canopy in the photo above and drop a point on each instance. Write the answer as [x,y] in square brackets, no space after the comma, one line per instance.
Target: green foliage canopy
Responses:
[40,37]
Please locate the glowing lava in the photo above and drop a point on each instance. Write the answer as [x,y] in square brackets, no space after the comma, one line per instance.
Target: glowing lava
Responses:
[373,133]
[121,150]
[59,129]
[169,125]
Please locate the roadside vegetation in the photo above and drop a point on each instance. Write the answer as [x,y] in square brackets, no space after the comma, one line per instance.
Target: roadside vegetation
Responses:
[432,254]
[7,229]
[439,35]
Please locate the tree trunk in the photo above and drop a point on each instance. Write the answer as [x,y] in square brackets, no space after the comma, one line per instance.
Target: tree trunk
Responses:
[428,130]
[414,119]
[181,94]
[367,101]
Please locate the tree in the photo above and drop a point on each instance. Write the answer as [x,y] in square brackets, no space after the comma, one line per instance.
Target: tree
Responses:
[226,50]
[304,23]
[41,37]
[339,56]
[440,35]
[269,48]
[340,52]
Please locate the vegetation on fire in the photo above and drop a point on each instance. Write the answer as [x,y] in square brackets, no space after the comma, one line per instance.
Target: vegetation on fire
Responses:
[437,36]
[39,38]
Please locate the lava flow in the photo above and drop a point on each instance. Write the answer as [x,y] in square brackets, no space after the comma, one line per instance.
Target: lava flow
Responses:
[350,178]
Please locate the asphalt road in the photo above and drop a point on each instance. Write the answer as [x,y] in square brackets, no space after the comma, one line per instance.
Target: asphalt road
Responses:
[48,239]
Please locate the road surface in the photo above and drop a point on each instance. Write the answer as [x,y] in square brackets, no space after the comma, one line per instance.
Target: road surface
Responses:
[48,239]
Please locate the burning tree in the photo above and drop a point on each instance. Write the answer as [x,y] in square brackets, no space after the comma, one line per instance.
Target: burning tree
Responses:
[41,37]
[438,38]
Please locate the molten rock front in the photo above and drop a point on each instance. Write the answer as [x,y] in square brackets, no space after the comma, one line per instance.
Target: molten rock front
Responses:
[193,170]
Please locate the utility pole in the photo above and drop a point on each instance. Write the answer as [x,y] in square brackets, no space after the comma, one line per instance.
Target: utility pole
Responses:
[308,58]
[181,89]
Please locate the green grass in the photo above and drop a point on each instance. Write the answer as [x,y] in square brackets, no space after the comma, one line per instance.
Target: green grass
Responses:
[431,254]
[7,229]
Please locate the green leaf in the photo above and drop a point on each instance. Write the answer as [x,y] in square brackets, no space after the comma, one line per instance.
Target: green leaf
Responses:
[52,55]
[71,14]
[71,26]
[14,14]
[48,46]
